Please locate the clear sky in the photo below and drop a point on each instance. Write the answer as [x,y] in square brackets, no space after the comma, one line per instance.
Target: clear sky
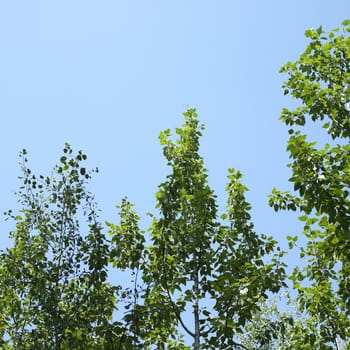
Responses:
[108,76]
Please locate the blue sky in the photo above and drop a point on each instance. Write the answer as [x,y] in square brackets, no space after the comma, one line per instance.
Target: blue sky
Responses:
[108,76]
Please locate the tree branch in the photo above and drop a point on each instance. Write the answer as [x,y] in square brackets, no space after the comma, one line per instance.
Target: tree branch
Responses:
[177,314]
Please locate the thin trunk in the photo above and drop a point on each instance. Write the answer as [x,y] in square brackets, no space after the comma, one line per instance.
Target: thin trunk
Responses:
[337,343]
[196,313]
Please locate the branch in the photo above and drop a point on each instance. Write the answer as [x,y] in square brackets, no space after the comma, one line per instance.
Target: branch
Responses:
[177,314]
[240,345]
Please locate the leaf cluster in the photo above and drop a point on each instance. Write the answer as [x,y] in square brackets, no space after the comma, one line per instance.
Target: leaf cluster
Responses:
[321,180]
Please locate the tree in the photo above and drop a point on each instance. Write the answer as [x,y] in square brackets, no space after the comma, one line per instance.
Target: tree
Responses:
[216,266]
[320,79]
[53,288]
[269,328]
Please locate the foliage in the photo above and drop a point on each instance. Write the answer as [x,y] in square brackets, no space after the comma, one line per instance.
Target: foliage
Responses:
[320,79]
[195,258]
[53,288]
[269,328]
[192,262]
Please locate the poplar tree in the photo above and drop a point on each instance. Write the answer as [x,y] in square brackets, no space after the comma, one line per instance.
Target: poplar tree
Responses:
[320,81]
[54,292]
[196,274]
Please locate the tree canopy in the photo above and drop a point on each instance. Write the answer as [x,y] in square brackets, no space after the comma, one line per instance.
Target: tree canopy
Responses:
[195,256]
[199,279]
[321,179]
